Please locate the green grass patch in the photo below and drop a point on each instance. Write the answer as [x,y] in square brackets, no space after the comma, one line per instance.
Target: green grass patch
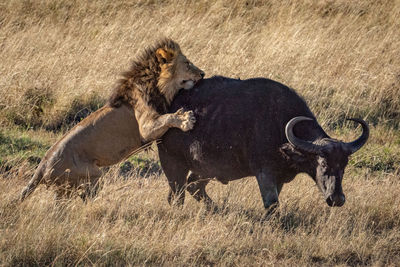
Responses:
[17,146]
[380,153]
[141,166]
[378,157]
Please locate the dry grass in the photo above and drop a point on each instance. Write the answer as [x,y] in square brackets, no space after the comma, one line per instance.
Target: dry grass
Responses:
[343,56]
[61,58]
[131,223]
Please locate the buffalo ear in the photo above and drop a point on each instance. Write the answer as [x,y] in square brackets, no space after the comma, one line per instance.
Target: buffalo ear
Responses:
[292,154]
[164,56]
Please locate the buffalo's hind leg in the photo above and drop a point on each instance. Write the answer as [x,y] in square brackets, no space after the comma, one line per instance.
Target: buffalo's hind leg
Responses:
[197,188]
[176,171]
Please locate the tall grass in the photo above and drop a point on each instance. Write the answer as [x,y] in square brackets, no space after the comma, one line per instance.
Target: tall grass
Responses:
[343,56]
[60,59]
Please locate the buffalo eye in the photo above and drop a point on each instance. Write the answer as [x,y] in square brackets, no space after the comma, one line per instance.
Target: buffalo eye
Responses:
[323,165]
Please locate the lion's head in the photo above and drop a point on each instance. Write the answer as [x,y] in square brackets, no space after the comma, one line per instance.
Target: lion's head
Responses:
[177,72]
[162,69]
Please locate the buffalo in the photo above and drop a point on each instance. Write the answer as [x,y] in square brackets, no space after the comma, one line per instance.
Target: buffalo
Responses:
[255,127]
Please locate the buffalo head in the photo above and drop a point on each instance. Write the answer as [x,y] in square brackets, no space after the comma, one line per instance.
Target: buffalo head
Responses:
[325,159]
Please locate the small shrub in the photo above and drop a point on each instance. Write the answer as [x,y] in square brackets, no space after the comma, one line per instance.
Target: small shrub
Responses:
[78,109]
[30,110]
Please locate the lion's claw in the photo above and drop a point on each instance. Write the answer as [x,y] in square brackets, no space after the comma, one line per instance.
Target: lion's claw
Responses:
[187,119]
[180,112]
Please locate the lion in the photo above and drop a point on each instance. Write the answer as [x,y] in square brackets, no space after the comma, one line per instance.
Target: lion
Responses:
[135,115]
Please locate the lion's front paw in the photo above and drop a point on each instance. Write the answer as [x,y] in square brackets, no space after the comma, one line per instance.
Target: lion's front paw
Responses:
[187,119]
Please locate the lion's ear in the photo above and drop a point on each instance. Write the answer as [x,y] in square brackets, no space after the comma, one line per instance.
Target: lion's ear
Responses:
[164,56]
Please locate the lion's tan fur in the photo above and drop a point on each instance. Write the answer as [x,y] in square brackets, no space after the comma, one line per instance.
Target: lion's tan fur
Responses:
[135,114]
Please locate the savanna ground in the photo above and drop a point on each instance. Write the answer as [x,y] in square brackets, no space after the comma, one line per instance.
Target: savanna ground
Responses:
[60,59]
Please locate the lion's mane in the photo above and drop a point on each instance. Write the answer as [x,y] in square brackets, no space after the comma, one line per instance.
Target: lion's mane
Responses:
[141,80]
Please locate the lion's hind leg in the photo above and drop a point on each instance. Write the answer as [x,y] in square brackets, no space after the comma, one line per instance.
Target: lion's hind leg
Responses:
[89,182]
[81,180]
[90,189]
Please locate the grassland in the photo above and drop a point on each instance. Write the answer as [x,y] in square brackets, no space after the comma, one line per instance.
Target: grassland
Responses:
[60,59]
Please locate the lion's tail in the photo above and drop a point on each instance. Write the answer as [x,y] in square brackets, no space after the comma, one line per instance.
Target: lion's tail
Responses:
[34,182]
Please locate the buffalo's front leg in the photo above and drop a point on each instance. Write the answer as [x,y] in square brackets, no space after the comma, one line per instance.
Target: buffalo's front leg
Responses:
[176,171]
[268,188]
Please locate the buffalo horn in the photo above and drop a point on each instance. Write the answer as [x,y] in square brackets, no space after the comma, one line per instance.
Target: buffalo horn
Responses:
[297,142]
[359,142]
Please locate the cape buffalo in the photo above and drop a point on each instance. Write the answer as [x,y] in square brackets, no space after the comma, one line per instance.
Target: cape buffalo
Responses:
[256,127]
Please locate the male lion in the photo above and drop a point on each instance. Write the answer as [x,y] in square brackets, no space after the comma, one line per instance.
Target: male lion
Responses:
[135,114]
